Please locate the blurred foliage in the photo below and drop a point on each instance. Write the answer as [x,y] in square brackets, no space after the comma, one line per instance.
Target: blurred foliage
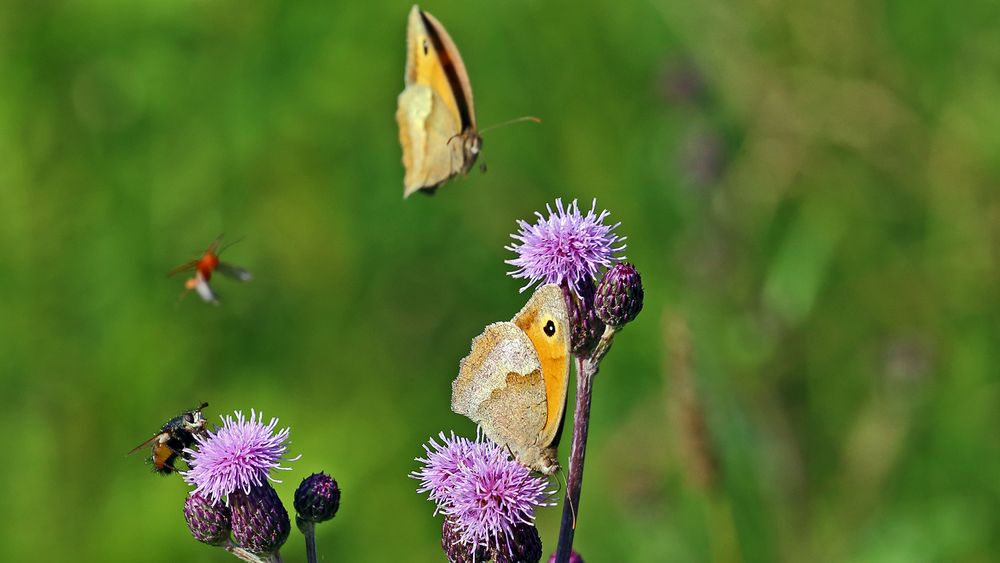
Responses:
[809,190]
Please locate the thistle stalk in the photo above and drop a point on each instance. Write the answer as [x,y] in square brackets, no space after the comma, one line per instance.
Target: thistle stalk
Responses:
[586,370]
[309,531]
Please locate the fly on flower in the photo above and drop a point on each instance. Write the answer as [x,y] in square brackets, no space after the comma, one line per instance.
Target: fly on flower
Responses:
[204,267]
[177,434]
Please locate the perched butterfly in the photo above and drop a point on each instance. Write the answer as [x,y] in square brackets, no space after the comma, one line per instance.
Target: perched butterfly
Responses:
[177,434]
[513,382]
[204,267]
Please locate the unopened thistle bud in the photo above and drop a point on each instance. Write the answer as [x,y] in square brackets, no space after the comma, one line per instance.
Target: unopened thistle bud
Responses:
[586,326]
[317,498]
[209,522]
[525,546]
[619,295]
[260,521]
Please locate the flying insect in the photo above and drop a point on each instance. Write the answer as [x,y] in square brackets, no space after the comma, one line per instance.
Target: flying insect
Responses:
[177,434]
[204,267]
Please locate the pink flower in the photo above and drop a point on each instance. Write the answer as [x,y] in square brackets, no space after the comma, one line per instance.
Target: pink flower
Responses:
[238,456]
[484,492]
[564,247]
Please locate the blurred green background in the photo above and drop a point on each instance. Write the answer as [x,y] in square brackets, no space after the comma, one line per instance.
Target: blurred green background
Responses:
[808,188]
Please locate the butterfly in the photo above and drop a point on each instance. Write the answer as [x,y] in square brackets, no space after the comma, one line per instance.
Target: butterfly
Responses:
[513,382]
[436,116]
[204,267]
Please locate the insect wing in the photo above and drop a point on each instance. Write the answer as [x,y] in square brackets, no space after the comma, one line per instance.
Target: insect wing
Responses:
[183,268]
[146,443]
[205,291]
[234,272]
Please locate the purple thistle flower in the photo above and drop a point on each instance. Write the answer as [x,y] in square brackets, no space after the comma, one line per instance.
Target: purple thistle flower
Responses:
[484,492]
[443,462]
[238,456]
[565,247]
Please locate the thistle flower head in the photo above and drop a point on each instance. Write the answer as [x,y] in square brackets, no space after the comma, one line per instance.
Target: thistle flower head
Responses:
[237,456]
[524,545]
[586,327]
[260,521]
[457,551]
[565,247]
[485,494]
[317,498]
[619,296]
[444,461]
[209,522]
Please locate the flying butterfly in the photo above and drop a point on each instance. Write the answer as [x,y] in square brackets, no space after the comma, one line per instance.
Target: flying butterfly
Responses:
[177,434]
[435,111]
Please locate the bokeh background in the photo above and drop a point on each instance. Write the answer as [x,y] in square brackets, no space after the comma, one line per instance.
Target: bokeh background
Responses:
[809,190]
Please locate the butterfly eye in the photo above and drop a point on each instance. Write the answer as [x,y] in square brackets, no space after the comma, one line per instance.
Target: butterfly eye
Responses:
[550,328]
[188,417]
[426,47]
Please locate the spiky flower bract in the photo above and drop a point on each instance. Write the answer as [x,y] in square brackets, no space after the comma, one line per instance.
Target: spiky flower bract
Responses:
[565,247]
[237,456]
[619,296]
[260,521]
[586,327]
[455,549]
[318,498]
[208,522]
[484,493]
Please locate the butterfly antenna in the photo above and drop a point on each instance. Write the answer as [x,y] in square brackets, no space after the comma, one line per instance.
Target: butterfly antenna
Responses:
[512,121]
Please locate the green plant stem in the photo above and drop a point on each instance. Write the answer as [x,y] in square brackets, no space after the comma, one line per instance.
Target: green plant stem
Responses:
[309,531]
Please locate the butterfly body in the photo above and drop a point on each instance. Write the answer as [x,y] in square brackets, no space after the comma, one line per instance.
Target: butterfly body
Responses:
[435,113]
[514,381]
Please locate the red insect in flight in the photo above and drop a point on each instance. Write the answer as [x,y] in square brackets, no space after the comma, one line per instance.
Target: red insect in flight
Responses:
[204,267]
